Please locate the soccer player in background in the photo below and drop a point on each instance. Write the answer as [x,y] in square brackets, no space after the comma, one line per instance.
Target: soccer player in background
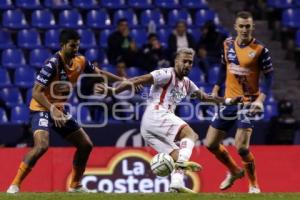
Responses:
[160,127]
[243,59]
[52,86]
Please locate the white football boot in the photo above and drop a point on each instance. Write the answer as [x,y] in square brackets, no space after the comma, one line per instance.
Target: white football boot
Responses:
[254,190]
[230,178]
[13,189]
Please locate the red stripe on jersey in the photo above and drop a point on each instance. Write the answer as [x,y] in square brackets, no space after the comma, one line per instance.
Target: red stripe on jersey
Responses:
[163,93]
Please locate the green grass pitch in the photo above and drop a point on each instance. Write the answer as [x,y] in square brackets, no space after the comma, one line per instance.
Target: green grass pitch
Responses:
[157,196]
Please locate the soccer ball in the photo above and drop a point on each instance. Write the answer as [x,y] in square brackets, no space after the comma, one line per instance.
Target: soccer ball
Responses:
[162,164]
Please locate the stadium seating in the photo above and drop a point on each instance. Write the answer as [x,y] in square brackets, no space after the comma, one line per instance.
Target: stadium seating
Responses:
[3,116]
[298,38]
[70,19]
[37,57]
[11,96]
[134,71]
[6,40]
[28,96]
[140,4]
[29,39]
[52,39]
[95,54]
[291,18]
[280,4]
[196,75]
[194,4]
[152,15]
[127,14]
[163,35]
[139,36]
[12,58]
[43,19]
[86,4]
[54,4]
[87,38]
[103,37]
[203,15]
[4,78]
[113,4]
[167,4]
[28,4]
[176,15]
[6,4]
[98,19]
[213,73]
[19,114]
[24,77]
[14,19]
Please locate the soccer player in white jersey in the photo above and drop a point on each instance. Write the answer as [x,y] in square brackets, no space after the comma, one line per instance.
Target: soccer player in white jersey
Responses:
[160,127]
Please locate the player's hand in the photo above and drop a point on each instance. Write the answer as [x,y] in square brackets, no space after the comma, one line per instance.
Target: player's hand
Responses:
[138,88]
[99,89]
[256,107]
[58,117]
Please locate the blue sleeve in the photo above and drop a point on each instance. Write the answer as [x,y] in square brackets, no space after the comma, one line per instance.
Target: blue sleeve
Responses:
[47,72]
[264,61]
[268,80]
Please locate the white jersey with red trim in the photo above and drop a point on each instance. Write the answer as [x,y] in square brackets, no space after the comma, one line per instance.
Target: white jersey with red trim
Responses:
[168,90]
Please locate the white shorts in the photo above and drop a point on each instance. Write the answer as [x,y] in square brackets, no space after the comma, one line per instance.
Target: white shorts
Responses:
[159,129]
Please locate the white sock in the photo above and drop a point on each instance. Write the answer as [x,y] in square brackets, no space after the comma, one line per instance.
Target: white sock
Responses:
[186,149]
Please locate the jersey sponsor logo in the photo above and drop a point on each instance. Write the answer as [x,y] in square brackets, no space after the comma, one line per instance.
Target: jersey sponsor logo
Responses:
[238,70]
[252,54]
[43,122]
[129,172]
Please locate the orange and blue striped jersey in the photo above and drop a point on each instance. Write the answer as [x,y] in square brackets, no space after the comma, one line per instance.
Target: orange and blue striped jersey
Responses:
[57,78]
[243,65]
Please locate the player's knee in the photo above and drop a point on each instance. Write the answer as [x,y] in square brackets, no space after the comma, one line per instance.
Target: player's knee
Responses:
[195,136]
[243,152]
[87,146]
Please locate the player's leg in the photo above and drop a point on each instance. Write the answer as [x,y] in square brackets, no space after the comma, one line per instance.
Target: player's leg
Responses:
[84,147]
[41,143]
[212,142]
[242,140]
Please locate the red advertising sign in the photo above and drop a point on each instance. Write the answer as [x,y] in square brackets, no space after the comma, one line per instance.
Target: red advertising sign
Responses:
[122,170]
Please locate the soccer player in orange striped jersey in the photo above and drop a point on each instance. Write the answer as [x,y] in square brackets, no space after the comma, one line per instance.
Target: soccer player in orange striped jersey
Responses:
[243,59]
[52,86]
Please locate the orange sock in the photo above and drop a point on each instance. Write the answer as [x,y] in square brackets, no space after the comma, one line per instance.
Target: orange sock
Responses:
[249,166]
[77,173]
[23,171]
[222,155]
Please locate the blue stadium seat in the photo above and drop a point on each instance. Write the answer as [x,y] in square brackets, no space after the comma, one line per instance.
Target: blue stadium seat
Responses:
[167,4]
[110,68]
[213,73]
[270,110]
[54,4]
[163,35]
[203,15]
[6,4]
[103,37]
[175,15]
[291,18]
[37,57]
[4,78]
[86,4]
[14,19]
[52,39]
[12,58]
[152,15]
[29,39]
[98,19]
[127,14]
[6,40]
[95,54]
[87,38]
[114,4]
[11,96]
[24,77]
[280,4]
[194,4]
[28,4]
[139,36]
[28,96]
[83,115]
[195,32]
[20,114]
[298,38]
[297,2]
[70,19]
[134,71]
[73,98]
[196,75]
[3,116]
[43,19]
[140,4]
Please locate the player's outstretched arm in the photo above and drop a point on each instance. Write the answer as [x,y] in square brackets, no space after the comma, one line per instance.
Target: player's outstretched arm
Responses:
[110,77]
[202,96]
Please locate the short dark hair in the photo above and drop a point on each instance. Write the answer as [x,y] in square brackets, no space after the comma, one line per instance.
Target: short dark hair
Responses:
[68,34]
[244,15]
[121,20]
